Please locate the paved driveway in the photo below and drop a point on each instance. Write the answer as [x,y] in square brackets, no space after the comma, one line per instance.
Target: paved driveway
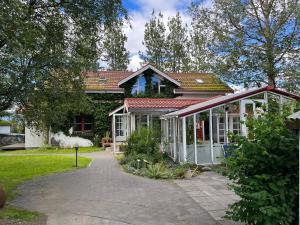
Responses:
[103,194]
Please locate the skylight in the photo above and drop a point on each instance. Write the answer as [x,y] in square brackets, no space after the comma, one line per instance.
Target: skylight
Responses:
[103,80]
[199,81]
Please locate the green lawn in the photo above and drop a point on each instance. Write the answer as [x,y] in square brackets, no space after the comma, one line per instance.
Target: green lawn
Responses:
[14,170]
[54,150]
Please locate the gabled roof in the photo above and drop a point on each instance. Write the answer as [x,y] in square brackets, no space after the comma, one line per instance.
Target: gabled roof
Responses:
[143,69]
[108,81]
[227,99]
[189,84]
[160,103]
[105,81]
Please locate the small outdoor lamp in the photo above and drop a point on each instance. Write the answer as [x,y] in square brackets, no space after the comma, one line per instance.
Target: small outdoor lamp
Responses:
[76,148]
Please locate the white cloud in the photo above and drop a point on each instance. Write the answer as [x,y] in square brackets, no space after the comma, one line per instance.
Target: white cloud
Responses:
[135,35]
[135,62]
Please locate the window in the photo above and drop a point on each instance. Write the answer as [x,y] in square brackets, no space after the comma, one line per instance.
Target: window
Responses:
[199,81]
[161,88]
[236,125]
[141,121]
[82,123]
[222,134]
[140,86]
[155,84]
[119,126]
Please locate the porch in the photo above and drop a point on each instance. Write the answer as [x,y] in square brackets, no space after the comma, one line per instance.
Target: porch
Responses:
[200,133]
[137,113]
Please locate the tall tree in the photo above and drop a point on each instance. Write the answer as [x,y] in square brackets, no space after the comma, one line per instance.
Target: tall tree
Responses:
[114,51]
[155,41]
[254,41]
[177,45]
[200,57]
[44,40]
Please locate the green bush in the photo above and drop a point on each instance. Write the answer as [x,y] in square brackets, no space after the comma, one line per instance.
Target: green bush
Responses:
[145,142]
[265,173]
[158,171]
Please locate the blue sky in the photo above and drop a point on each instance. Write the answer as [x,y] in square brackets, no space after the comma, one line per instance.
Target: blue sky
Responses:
[140,13]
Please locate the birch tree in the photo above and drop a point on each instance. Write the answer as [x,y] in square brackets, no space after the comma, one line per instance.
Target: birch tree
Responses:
[255,42]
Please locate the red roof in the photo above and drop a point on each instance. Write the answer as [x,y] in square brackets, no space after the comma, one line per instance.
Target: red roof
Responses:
[107,81]
[161,103]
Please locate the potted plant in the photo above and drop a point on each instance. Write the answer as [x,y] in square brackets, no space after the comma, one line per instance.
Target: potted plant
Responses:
[106,140]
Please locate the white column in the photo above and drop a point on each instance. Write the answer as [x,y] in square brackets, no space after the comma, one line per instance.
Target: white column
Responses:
[114,132]
[226,126]
[184,138]
[266,99]
[280,103]
[174,138]
[211,136]
[242,118]
[195,139]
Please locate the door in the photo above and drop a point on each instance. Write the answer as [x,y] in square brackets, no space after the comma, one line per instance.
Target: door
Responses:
[121,127]
[248,109]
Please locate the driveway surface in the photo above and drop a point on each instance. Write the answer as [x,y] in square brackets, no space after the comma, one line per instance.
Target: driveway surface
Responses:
[210,191]
[103,194]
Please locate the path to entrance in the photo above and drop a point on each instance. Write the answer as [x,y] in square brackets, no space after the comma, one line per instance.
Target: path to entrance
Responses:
[103,194]
[210,191]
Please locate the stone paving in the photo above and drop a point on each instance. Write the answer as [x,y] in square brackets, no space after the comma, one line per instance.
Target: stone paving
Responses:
[210,191]
[103,194]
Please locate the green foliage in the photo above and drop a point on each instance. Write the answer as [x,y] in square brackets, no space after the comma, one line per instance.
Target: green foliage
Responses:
[157,171]
[155,41]
[4,123]
[252,42]
[114,51]
[38,42]
[177,46]
[265,172]
[167,51]
[144,141]
[51,149]
[55,108]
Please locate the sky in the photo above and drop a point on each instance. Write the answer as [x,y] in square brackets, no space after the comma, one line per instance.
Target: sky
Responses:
[140,12]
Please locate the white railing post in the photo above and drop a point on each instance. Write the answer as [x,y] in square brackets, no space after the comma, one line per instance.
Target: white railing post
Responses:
[226,126]
[184,139]
[114,132]
[195,139]
[266,99]
[174,139]
[211,136]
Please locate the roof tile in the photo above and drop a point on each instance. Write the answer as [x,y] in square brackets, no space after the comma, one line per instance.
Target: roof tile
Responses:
[108,80]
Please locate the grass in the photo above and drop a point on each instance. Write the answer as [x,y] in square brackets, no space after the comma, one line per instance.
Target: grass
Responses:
[53,150]
[17,169]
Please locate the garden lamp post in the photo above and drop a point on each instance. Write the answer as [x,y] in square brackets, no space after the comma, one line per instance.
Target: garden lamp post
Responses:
[76,149]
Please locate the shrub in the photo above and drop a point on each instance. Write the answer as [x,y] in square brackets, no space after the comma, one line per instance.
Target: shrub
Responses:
[144,141]
[265,173]
[158,171]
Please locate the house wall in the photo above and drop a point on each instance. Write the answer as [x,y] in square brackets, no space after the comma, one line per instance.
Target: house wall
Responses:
[5,129]
[33,138]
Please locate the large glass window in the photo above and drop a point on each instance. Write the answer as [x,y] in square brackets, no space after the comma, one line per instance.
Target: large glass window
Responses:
[140,86]
[155,84]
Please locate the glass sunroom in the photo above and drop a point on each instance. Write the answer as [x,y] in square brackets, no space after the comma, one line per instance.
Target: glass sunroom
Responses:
[199,133]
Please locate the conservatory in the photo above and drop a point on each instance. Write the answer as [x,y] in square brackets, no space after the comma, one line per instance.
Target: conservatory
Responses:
[199,133]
